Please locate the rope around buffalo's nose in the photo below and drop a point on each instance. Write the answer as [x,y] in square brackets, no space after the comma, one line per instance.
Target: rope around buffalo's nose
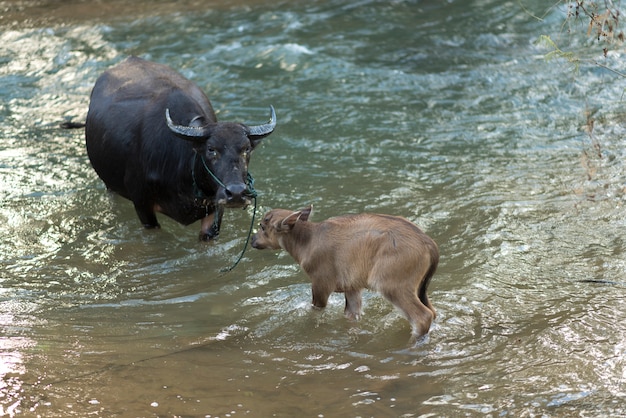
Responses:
[249,192]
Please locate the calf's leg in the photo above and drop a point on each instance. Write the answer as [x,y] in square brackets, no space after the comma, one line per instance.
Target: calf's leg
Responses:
[353,304]
[321,292]
[419,316]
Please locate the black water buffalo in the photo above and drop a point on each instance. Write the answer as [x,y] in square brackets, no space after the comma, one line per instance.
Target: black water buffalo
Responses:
[153,137]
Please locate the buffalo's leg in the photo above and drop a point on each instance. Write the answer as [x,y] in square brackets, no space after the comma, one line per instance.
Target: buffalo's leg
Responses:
[146,216]
[211,224]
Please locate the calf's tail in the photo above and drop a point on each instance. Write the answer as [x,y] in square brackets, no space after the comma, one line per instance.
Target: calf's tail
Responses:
[423,287]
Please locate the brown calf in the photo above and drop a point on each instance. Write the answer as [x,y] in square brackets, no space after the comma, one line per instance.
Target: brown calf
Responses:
[349,253]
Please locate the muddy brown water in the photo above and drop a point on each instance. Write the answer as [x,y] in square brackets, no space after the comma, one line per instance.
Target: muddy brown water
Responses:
[443,112]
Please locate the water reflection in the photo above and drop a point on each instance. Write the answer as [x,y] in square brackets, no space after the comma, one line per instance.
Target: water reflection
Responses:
[462,128]
[16,322]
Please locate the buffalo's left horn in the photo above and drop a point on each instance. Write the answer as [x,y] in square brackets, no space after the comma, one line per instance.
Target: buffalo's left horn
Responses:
[266,128]
[186,131]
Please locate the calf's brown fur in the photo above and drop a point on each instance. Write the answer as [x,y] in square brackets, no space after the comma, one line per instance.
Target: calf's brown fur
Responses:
[384,253]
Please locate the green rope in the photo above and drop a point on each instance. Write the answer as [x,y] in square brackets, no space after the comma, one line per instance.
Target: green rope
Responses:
[249,192]
[225,270]
[208,170]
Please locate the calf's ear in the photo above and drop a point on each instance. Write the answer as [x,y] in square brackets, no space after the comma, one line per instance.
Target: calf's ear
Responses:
[301,215]
[288,223]
[305,213]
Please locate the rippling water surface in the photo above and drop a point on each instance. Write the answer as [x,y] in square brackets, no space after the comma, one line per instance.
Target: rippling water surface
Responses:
[446,113]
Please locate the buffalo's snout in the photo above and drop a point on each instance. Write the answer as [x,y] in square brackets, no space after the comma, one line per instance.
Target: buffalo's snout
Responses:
[233,194]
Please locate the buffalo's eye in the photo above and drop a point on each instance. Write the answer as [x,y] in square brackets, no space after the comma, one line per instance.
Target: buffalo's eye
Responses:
[211,152]
[246,152]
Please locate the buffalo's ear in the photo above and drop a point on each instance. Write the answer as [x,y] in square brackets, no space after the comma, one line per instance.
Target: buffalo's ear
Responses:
[255,140]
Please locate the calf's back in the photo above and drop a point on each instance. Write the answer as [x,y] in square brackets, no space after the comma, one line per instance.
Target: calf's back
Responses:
[369,251]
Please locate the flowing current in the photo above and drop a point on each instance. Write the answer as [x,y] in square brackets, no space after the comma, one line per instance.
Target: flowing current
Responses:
[444,112]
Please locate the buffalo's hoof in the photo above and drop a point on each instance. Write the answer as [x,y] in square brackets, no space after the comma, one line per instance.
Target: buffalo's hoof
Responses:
[208,236]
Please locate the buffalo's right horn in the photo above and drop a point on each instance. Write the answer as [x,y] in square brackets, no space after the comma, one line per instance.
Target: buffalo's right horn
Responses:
[190,132]
[266,128]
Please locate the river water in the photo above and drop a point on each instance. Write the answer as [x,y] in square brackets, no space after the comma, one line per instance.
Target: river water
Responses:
[444,112]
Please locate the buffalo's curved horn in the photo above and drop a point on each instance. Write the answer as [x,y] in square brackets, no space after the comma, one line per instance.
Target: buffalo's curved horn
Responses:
[189,132]
[266,128]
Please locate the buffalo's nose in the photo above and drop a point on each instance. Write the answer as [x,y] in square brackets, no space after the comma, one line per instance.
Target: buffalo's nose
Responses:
[234,192]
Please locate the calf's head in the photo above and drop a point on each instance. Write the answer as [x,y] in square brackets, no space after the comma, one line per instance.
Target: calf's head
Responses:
[276,224]
[224,150]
